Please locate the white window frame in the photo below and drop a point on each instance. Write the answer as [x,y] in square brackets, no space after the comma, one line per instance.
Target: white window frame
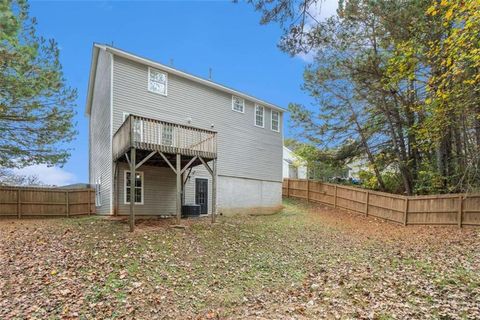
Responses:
[98,192]
[166,82]
[233,104]
[125,116]
[255,116]
[125,187]
[278,120]
[162,130]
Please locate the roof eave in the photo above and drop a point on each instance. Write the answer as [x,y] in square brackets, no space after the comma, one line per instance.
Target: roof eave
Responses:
[91,79]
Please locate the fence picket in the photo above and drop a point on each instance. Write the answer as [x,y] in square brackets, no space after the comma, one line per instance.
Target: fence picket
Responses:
[29,201]
[447,209]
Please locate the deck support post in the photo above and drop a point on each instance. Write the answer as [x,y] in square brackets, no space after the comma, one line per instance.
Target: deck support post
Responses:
[214,190]
[132,189]
[178,172]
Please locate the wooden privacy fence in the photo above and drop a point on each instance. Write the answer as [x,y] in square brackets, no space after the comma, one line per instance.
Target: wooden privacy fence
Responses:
[448,209]
[24,201]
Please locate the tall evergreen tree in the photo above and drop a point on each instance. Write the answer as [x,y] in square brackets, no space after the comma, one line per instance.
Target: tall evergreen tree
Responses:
[36,105]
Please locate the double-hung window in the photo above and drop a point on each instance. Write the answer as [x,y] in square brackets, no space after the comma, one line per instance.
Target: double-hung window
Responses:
[157,81]
[98,192]
[259,116]
[137,127]
[138,187]
[238,104]
[275,125]
[167,135]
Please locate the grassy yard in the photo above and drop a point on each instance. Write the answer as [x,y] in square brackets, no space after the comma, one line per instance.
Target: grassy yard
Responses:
[305,262]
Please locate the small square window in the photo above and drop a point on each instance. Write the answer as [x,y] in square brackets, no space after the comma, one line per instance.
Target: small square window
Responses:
[275,121]
[157,81]
[259,116]
[238,104]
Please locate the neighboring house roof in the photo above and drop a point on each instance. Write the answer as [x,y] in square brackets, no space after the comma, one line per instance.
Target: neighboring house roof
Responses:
[151,63]
[75,186]
[291,155]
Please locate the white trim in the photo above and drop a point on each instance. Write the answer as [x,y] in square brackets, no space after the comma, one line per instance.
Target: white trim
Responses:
[125,187]
[271,120]
[233,104]
[255,116]
[166,82]
[112,174]
[170,70]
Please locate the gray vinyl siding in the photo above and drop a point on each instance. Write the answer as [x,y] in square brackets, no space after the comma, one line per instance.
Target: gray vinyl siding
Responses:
[244,150]
[100,135]
[159,191]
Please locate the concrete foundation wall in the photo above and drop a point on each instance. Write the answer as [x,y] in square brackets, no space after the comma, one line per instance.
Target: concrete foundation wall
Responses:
[236,194]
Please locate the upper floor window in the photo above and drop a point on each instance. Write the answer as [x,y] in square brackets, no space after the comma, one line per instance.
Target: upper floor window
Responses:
[167,135]
[275,121]
[137,127]
[238,104]
[157,81]
[259,116]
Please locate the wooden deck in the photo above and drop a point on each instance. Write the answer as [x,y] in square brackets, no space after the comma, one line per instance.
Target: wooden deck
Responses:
[170,138]
[141,140]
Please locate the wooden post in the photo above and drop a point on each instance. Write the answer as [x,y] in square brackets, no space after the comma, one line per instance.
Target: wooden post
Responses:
[19,205]
[179,187]
[288,187]
[366,204]
[405,213]
[335,197]
[67,205]
[115,188]
[308,190]
[214,191]
[132,189]
[460,211]
[89,201]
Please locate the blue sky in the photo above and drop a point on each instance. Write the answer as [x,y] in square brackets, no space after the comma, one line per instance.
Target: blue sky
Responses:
[221,35]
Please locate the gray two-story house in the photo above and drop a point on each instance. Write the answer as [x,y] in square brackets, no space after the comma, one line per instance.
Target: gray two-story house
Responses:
[189,140]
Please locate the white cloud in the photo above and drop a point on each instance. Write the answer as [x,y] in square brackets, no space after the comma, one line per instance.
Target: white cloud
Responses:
[323,9]
[318,11]
[49,175]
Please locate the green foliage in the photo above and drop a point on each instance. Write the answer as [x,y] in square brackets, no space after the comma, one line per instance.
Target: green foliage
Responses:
[396,81]
[392,180]
[322,164]
[36,105]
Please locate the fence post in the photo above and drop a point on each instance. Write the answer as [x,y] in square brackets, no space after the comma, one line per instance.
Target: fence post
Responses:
[288,188]
[89,193]
[460,211]
[335,197]
[405,213]
[67,204]
[308,190]
[366,204]
[19,205]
